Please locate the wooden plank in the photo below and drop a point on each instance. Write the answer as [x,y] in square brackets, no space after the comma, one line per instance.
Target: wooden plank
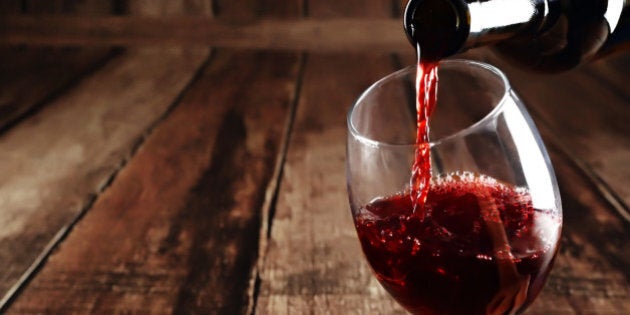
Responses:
[31,76]
[57,215]
[60,158]
[353,8]
[325,34]
[314,262]
[164,8]
[241,10]
[182,218]
[311,260]
[82,7]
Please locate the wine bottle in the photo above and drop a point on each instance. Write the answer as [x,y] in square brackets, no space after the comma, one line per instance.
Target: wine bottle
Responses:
[547,35]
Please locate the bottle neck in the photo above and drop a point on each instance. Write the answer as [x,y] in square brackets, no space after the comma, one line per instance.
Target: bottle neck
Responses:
[438,27]
[549,35]
[446,27]
[498,20]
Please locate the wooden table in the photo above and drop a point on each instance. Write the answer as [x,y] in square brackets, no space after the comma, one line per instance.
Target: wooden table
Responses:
[176,178]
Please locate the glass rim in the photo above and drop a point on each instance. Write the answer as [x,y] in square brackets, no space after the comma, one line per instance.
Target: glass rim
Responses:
[462,132]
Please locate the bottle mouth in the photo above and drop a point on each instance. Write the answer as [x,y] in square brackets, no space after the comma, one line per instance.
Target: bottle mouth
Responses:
[440,27]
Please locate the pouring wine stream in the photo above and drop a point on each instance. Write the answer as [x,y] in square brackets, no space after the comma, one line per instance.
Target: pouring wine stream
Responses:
[426,89]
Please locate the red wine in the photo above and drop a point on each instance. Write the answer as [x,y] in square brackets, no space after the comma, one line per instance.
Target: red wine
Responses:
[482,248]
[426,87]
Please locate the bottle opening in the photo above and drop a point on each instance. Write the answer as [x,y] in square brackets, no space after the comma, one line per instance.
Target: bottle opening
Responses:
[440,27]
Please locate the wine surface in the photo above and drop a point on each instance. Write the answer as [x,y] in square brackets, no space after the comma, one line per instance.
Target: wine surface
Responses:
[481,248]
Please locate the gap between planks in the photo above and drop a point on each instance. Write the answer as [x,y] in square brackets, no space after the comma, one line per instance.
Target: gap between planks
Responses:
[272,191]
[63,233]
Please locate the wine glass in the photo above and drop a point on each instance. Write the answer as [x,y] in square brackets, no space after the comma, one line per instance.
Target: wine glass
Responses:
[491,223]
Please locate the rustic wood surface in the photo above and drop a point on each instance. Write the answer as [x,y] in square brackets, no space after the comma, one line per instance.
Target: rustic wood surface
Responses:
[331,34]
[310,239]
[182,179]
[55,162]
[194,184]
[30,77]
[83,7]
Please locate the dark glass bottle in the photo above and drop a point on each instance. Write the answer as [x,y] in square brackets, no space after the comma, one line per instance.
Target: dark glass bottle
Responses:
[547,35]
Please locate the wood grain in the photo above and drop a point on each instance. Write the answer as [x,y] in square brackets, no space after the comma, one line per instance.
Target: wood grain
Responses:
[313,262]
[78,7]
[30,77]
[65,154]
[330,34]
[367,10]
[166,8]
[56,162]
[182,218]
